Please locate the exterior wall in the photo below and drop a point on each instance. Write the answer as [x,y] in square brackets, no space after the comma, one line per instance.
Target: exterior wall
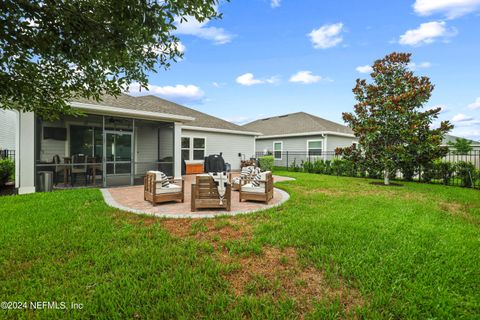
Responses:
[299,144]
[146,145]
[26,153]
[49,147]
[230,145]
[334,142]
[8,124]
[290,144]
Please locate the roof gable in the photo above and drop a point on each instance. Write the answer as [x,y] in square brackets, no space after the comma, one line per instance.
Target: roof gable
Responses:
[295,123]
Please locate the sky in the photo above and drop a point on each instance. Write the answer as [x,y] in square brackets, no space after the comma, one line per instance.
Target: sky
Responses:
[273,57]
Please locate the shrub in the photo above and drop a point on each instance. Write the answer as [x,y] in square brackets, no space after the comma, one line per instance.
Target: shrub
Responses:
[428,173]
[466,172]
[296,167]
[444,171]
[266,163]
[7,171]
[308,166]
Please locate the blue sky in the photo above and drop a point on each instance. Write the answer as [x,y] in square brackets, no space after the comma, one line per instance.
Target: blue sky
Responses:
[271,57]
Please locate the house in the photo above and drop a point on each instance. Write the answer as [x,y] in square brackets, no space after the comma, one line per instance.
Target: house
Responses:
[123,138]
[7,129]
[299,136]
[449,138]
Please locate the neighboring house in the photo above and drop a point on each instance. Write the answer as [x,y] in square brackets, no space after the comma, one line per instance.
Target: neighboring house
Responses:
[132,135]
[301,136]
[449,138]
[8,120]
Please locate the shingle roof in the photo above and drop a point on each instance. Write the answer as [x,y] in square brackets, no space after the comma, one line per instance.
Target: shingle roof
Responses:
[449,138]
[156,104]
[295,123]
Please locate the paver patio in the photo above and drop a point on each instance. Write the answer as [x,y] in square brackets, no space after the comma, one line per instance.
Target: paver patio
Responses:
[131,199]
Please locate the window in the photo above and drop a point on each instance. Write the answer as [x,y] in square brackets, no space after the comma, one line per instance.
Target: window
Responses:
[314,147]
[186,149]
[193,148]
[198,148]
[277,150]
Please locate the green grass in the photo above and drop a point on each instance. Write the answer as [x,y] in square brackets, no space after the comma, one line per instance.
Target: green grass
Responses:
[411,252]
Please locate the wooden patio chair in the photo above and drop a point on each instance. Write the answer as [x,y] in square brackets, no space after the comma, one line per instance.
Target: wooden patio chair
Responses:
[263,192]
[155,193]
[205,194]
[246,176]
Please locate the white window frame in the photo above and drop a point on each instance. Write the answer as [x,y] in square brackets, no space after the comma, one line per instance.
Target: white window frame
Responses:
[321,148]
[191,148]
[281,150]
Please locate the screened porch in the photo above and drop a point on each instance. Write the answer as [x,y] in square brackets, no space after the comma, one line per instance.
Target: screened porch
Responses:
[102,151]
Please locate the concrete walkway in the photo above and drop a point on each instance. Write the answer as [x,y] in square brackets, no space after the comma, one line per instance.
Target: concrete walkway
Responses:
[131,199]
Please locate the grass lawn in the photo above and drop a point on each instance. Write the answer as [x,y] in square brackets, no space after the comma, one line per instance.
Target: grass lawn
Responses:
[339,248]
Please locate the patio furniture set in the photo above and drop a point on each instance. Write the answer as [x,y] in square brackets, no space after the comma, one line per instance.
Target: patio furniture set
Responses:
[211,190]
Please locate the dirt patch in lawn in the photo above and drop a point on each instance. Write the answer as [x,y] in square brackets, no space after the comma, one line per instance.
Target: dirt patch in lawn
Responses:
[392,184]
[274,273]
[458,210]
[277,273]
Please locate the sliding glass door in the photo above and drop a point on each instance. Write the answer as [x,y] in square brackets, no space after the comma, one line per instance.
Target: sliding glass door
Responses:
[119,156]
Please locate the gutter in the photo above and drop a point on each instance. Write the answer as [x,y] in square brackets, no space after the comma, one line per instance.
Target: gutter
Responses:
[138,114]
[247,133]
[313,133]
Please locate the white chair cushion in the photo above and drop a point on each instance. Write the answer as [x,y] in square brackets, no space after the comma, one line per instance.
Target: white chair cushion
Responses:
[251,188]
[171,188]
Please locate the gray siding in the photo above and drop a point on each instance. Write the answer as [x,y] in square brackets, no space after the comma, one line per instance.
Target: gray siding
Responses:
[229,144]
[8,124]
[334,142]
[290,144]
[299,144]
[146,148]
[50,147]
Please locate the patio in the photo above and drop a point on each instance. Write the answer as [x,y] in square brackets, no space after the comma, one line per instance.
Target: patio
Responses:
[131,199]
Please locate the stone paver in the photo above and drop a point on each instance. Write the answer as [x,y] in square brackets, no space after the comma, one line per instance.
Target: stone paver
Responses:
[131,199]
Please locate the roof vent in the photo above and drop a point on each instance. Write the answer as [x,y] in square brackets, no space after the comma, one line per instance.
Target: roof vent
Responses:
[284,116]
[265,119]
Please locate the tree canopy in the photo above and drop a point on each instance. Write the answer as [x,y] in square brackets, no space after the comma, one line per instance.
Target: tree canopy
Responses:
[461,146]
[389,119]
[52,51]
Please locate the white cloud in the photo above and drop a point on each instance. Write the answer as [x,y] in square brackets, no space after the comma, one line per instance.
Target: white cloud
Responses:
[475,105]
[423,65]
[248,79]
[179,93]
[218,84]
[461,118]
[200,29]
[426,33]
[326,36]
[275,3]
[364,69]
[451,8]
[305,77]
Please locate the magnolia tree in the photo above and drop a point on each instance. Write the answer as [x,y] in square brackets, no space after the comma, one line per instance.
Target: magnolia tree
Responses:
[52,51]
[389,121]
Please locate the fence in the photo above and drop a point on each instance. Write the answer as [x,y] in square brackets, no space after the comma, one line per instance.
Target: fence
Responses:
[453,169]
[291,160]
[7,154]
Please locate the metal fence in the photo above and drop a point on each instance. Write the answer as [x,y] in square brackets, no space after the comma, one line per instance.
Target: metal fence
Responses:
[455,169]
[10,154]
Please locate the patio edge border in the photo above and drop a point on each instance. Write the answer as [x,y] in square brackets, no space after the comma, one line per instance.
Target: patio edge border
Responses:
[110,201]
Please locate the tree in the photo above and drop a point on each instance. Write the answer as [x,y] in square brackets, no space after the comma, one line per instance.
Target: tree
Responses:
[52,51]
[388,119]
[461,146]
